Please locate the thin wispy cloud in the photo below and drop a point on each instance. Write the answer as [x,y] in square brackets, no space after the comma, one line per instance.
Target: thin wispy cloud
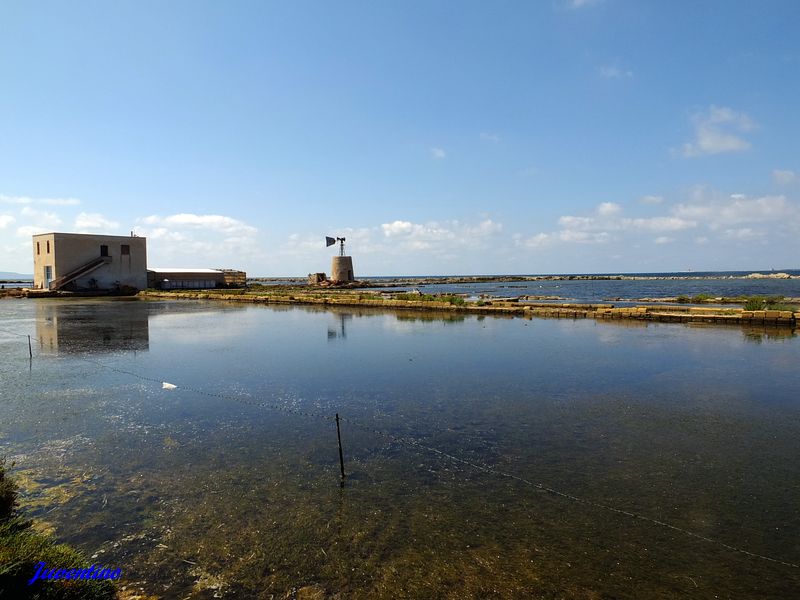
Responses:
[438,153]
[93,222]
[41,218]
[490,137]
[614,72]
[784,177]
[26,200]
[219,223]
[718,130]
[578,4]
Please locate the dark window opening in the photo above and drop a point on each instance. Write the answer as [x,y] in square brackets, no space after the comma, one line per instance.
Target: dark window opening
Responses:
[38,249]
[125,250]
[103,250]
[48,246]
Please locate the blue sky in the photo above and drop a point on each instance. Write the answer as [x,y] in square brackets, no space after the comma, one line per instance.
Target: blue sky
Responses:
[438,137]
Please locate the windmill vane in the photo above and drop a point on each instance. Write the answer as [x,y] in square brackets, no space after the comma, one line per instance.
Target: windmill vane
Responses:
[330,241]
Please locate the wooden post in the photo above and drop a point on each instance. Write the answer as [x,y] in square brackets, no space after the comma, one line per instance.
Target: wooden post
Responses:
[341,457]
[30,351]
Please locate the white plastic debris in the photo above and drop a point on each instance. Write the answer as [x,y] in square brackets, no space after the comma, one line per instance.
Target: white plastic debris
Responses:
[168,386]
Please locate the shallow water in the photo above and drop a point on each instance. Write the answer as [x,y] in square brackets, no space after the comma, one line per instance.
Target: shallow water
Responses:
[229,484]
[627,289]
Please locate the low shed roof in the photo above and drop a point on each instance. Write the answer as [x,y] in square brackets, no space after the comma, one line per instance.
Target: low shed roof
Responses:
[198,271]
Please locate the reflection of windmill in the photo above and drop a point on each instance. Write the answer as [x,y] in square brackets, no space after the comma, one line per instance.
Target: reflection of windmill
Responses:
[341,266]
[342,333]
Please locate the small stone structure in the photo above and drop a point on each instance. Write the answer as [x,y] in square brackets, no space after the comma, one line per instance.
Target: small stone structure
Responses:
[316,278]
[342,269]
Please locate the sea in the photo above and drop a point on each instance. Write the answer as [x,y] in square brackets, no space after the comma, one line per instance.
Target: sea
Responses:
[629,287]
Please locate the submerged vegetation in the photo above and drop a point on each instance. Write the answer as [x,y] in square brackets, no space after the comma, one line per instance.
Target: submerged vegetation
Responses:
[22,549]
[766,303]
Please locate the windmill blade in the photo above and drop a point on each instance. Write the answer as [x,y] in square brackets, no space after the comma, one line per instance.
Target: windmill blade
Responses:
[329,241]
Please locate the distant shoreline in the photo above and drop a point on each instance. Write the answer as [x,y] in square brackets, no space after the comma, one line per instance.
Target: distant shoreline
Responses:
[381,281]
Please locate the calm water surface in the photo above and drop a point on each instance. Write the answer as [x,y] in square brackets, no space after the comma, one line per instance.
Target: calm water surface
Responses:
[630,289]
[228,486]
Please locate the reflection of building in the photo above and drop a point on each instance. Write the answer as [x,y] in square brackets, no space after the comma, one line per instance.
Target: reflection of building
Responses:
[64,327]
[171,279]
[75,261]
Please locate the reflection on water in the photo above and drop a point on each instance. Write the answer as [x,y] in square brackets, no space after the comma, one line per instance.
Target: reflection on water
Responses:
[758,334]
[339,331]
[228,484]
[65,327]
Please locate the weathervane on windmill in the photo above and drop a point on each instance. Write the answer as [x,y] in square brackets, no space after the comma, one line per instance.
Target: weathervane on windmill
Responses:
[341,266]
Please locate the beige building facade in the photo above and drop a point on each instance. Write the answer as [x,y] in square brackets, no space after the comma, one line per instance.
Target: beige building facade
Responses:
[77,261]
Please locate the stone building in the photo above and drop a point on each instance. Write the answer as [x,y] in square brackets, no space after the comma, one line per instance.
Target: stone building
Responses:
[77,261]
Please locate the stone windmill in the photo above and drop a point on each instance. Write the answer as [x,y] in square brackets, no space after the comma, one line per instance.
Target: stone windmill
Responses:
[341,266]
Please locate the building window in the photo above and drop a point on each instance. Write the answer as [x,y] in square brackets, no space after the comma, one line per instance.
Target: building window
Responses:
[48,246]
[103,250]
[38,249]
[125,250]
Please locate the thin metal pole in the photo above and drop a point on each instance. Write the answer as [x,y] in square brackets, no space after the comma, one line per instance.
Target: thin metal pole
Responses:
[30,351]
[341,456]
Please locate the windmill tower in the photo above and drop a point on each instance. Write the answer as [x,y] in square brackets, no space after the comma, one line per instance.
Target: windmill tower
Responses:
[341,266]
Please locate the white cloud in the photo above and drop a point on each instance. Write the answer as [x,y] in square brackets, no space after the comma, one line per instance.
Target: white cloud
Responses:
[191,240]
[614,72]
[540,240]
[742,233]
[718,130]
[607,218]
[211,222]
[484,228]
[491,137]
[416,236]
[738,209]
[41,218]
[85,222]
[162,233]
[48,201]
[438,153]
[605,225]
[784,177]
[6,220]
[608,208]
[29,230]
[584,237]
[658,224]
[717,218]
[651,199]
